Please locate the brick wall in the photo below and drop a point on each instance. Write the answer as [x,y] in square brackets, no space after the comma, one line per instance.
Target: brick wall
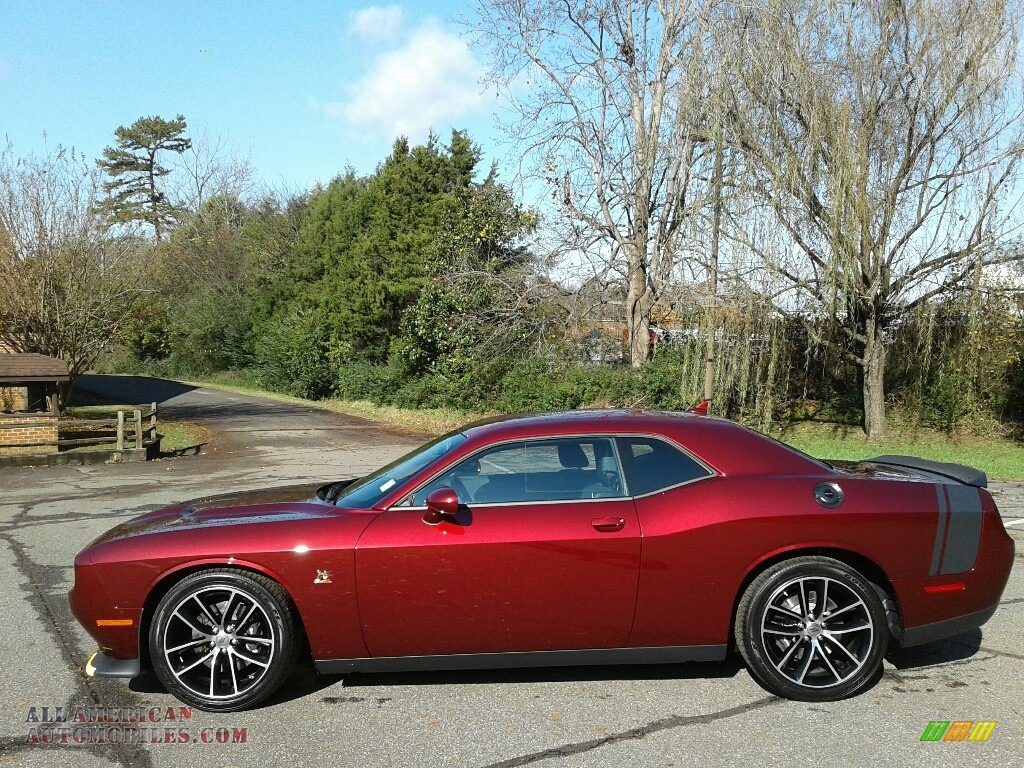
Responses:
[13,398]
[27,428]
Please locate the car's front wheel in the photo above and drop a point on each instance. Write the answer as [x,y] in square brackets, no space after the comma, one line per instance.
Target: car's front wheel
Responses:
[812,629]
[223,640]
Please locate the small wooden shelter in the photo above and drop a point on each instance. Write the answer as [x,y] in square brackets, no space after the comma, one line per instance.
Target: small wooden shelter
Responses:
[30,401]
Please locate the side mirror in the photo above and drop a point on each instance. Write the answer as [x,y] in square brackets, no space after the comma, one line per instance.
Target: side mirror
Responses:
[441,503]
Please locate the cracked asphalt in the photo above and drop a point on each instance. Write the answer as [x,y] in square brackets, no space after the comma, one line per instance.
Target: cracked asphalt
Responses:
[679,715]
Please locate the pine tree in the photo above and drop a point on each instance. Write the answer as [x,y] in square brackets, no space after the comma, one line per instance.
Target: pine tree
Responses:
[133,191]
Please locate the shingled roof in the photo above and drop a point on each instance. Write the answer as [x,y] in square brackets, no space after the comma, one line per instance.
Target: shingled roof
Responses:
[29,367]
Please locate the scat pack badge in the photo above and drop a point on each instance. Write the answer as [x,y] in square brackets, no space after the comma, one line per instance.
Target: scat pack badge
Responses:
[322,577]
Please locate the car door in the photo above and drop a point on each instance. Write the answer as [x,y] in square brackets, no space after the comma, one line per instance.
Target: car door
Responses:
[544,554]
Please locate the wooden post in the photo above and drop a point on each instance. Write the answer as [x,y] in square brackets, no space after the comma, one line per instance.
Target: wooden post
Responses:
[152,422]
[120,430]
[138,427]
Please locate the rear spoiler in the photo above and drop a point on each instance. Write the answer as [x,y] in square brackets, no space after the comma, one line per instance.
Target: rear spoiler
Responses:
[701,409]
[959,472]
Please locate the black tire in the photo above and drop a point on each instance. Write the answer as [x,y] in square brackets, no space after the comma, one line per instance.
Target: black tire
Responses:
[812,629]
[223,640]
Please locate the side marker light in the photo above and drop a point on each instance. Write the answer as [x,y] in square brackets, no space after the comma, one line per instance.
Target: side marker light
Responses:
[934,588]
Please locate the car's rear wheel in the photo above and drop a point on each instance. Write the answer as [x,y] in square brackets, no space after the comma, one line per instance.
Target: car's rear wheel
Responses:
[223,640]
[812,629]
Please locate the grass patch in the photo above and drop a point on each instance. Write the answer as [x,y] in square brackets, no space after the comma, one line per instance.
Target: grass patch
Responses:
[431,421]
[1000,458]
[177,436]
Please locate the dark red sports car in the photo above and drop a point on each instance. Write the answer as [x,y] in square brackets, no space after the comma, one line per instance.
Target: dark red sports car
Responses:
[590,537]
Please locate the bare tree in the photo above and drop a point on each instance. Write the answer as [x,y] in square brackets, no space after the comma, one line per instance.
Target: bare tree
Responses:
[66,285]
[210,167]
[600,90]
[884,139]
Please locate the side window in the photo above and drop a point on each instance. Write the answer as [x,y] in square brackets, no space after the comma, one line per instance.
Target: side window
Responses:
[652,465]
[464,478]
[534,470]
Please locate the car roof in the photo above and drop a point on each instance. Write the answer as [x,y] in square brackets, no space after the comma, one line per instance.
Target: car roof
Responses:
[584,419]
[726,446]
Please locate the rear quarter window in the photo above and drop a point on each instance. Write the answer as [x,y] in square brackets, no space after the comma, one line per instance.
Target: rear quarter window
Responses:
[654,465]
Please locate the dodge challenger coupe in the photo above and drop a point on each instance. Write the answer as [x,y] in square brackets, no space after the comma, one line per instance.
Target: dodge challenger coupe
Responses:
[588,537]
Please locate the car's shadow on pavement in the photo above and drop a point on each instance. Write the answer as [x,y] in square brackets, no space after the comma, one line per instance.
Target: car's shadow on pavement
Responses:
[940,652]
[693,670]
[305,681]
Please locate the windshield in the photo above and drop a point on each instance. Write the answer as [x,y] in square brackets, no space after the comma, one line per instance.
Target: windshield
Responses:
[368,492]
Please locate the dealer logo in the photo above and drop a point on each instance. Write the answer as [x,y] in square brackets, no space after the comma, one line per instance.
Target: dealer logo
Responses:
[958,730]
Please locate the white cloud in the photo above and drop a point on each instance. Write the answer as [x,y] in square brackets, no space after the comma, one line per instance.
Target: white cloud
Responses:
[376,23]
[431,81]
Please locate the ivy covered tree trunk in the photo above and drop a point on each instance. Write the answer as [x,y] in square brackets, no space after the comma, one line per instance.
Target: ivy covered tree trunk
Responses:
[873,381]
[638,309]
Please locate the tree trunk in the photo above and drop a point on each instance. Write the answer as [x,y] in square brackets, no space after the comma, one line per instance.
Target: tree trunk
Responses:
[638,309]
[873,384]
[154,197]
[711,319]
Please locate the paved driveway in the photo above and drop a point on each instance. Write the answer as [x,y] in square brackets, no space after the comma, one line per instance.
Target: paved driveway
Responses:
[707,715]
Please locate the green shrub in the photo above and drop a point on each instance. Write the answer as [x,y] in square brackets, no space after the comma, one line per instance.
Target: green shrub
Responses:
[293,357]
[540,385]
[362,381]
[948,399]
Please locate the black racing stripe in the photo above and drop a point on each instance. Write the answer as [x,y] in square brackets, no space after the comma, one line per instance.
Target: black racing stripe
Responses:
[940,531]
[964,535]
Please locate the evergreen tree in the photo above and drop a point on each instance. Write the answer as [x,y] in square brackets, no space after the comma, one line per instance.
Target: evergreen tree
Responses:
[367,245]
[133,191]
[476,315]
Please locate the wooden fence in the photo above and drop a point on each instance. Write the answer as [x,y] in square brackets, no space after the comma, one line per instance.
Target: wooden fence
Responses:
[131,426]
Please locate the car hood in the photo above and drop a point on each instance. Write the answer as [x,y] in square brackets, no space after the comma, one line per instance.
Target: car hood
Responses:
[277,495]
[269,505]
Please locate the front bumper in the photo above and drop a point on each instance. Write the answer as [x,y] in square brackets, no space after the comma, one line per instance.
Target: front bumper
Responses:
[101,665]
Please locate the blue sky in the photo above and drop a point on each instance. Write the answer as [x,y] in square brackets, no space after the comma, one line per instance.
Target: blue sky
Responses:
[304,90]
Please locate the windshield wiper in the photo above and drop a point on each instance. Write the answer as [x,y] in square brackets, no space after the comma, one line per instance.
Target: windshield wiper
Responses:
[335,490]
[331,491]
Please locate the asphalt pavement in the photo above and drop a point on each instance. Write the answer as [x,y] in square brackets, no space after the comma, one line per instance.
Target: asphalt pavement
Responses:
[678,715]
